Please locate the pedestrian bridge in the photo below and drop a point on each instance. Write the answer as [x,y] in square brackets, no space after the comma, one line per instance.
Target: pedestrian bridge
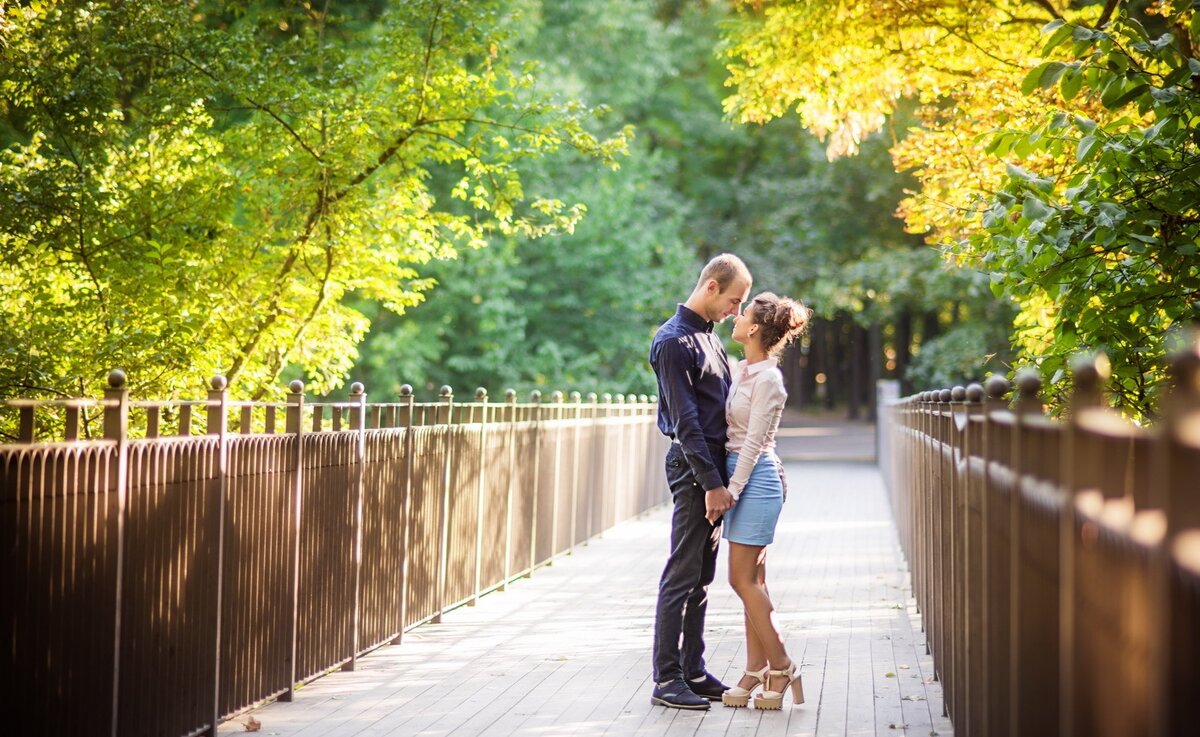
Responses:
[457,568]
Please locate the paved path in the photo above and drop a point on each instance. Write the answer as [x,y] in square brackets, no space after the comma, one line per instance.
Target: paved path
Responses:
[824,437]
[566,652]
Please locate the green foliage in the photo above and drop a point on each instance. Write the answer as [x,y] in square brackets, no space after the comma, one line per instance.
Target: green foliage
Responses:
[267,191]
[959,356]
[194,188]
[1104,257]
[574,311]
[580,307]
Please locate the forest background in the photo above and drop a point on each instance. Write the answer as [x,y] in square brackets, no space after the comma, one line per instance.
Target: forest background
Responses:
[516,193]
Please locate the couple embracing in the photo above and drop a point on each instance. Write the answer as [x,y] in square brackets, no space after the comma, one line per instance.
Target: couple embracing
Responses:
[725,481]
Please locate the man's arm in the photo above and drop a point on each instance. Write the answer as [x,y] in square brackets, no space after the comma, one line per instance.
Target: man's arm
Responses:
[679,394]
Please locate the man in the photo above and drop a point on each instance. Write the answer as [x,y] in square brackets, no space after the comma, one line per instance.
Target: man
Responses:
[693,382]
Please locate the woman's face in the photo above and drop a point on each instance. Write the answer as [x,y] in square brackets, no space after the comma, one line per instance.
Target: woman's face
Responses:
[741,326]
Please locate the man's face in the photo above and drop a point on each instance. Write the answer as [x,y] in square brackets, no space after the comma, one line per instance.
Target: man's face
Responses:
[729,302]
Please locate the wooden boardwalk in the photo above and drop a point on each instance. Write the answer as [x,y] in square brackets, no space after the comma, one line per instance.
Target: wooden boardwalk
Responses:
[567,651]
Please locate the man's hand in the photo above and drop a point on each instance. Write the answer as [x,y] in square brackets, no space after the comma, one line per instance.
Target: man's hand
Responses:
[716,503]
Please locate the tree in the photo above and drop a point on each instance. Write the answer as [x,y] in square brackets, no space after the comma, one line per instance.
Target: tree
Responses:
[846,67]
[574,311]
[1041,202]
[1106,252]
[194,188]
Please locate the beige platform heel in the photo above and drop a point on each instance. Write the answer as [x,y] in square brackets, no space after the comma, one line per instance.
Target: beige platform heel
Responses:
[738,697]
[774,699]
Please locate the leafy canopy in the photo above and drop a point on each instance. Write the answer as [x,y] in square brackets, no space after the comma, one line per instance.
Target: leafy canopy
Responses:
[189,188]
[1106,251]
[1069,179]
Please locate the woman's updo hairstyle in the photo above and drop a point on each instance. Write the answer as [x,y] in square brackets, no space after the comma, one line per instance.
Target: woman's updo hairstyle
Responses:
[781,319]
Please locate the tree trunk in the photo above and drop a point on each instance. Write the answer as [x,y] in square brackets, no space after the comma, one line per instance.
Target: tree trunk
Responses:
[807,380]
[874,367]
[858,371]
[930,327]
[832,362]
[903,347]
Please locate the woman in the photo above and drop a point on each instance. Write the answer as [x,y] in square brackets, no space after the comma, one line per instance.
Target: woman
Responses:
[756,482]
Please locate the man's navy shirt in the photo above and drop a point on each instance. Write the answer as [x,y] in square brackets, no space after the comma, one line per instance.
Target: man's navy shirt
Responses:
[693,383]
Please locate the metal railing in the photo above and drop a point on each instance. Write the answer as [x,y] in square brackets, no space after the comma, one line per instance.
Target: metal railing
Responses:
[156,585]
[1056,564]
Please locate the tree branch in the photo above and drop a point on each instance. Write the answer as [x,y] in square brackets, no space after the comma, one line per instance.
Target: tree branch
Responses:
[253,103]
[1049,8]
[437,13]
[1106,14]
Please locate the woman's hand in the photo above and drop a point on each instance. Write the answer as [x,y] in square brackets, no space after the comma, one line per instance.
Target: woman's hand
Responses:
[717,502]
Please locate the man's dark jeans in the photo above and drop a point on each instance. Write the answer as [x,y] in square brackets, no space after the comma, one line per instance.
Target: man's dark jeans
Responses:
[683,589]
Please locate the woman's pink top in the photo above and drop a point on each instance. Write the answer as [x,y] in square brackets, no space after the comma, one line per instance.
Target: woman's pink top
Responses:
[752,411]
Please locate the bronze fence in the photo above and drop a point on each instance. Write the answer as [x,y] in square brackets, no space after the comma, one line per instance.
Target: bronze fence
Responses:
[1055,563]
[156,585]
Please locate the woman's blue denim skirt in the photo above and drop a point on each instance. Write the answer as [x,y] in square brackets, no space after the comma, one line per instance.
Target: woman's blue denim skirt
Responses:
[752,520]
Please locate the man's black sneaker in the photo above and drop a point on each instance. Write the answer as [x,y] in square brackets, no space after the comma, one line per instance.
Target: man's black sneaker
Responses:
[707,687]
[676,695]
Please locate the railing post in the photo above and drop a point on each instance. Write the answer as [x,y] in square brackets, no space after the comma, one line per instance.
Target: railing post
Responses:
[358,420]
[577,428]
[1029,404]
[955,475]
[446,396]
[972,491]
[406,397]
[556,399]
[510,401]
[535,399]
[1179,670]
[116,428]
[481,397]
[1089,375]
[594,401]
[218,425]
[295,428]
[619,485]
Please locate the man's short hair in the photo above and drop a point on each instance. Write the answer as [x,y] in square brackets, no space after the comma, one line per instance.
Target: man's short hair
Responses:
[724,268]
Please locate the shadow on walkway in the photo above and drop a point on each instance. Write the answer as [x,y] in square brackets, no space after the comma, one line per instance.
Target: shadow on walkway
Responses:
[826,436]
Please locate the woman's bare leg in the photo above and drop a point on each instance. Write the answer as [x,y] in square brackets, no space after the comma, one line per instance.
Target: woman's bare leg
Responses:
[747,576]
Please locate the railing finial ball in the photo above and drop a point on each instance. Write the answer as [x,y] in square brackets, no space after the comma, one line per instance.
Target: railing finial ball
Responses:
[297,386]
[357,389]
[620,398]
[643,398]
[1089,370]
[480,394]
[445,391]
[510,395]
[996,386]
[1184,365]
[218,383]
[1029,381]
[592,397]
[944,395]
[406,390]
[958,393]
[535,396]
[974,393]
[576,397]
[557,396]
[116,379]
